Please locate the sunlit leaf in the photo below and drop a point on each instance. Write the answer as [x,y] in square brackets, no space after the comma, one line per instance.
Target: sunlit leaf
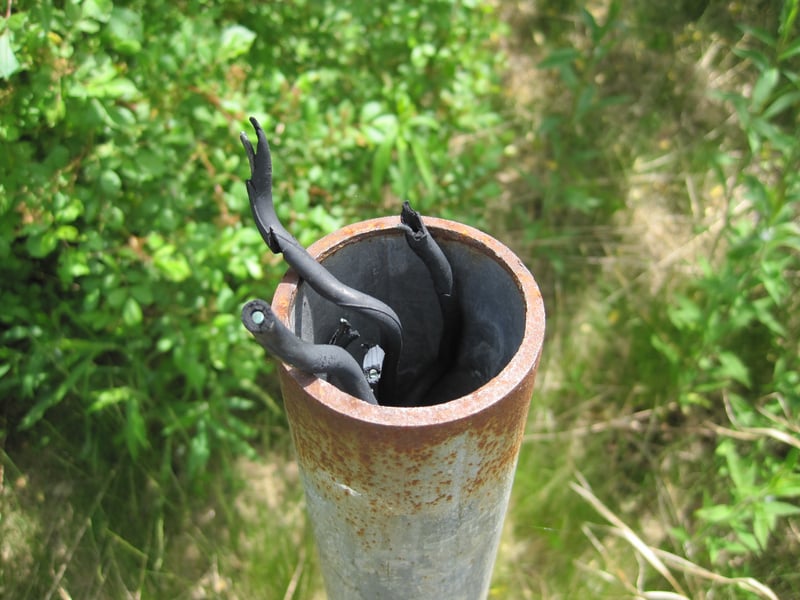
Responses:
[110,397]
[721,513]
[100,10]
[126,29]
[733,367]
[8,60]
[236,40]
[131,312]
[777,508]
[172,264]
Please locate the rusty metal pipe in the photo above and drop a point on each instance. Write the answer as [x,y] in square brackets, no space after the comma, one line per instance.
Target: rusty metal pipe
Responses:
[409,502]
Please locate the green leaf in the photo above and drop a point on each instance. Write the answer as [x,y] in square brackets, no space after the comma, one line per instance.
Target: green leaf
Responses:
[758,58]
[781,103]
[792,50]
[732,366]
[760,34]
[70,211]
[423,121]
[194,371]
[236,41]
[165,344]
[763,525]
[720,513]
[424,166]
[143,293]
[253,266]
[237,403]
[173,265]
[199,450]
[380,162]
[591,23]
[401,146]
[8,60]
[741,471]
[685,315]
[41,244]
[110,397]
[67,233]
[135,432]
[559,58]
[666,348]
[777,508]
[763,88]
[787,489]
[387,124]
[421,54]
[110,183]
[131,312]
[763,312]
[50,399]
[119,88]
[789,13]
[116,297]
[584,103]
[370,111]
[99,10]
[126,30]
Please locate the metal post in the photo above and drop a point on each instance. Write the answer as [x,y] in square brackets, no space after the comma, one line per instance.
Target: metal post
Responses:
[410,502]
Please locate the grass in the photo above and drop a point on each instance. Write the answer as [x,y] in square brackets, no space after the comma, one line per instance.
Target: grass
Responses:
[613,202]
[613,468]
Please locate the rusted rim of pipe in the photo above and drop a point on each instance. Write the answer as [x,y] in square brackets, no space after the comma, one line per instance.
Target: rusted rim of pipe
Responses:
[512,375]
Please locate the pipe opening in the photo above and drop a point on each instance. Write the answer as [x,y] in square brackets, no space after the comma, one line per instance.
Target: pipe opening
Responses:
[381,264]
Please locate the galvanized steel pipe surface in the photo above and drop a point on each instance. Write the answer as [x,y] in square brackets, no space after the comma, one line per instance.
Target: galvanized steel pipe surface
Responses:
[409,502]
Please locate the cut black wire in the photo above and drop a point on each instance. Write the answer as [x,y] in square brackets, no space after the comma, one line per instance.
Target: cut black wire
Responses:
[344,335]
[279,240]
[334,361]
[425,247]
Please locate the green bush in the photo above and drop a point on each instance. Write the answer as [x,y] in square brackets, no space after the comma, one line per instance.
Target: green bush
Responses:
[712,357]
[126,244]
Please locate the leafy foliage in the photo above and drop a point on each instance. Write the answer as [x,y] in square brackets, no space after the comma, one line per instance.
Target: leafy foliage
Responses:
[126,240]
[702,341]
[573,136]
[730,339]
[126,243]
[739,323]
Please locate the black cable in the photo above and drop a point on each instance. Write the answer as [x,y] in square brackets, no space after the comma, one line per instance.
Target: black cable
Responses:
[425,247]
[344,335]
[334,361]
[279,240]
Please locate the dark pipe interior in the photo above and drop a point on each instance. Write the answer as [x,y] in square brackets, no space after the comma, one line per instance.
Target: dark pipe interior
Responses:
[382,265]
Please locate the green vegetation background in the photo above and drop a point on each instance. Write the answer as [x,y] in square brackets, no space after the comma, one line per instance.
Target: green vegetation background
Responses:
[642,158]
